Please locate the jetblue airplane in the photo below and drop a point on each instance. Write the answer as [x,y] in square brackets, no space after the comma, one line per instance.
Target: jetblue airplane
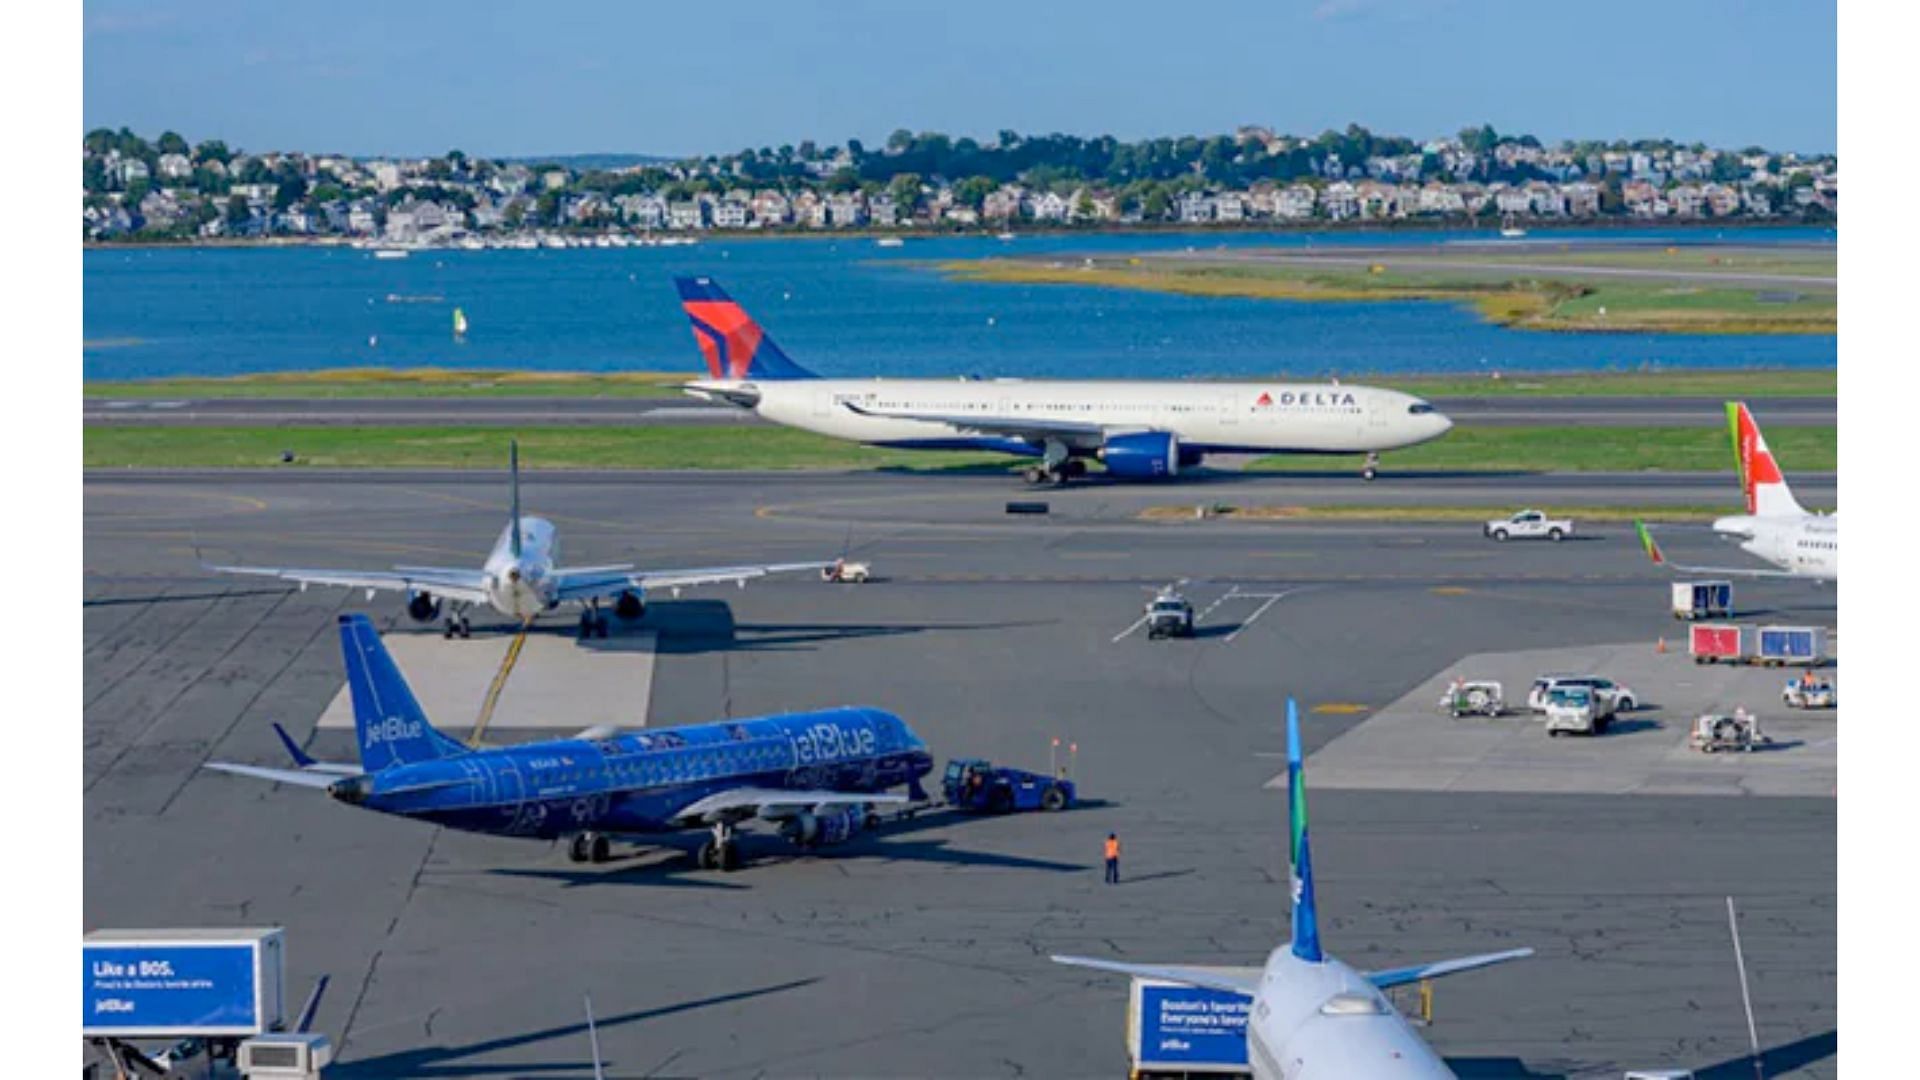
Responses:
[1312,1015]
[818,775]
[1138,430]
[519,578]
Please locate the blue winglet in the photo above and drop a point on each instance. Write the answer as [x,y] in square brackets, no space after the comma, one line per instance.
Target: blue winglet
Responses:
[300,757]
[1306,922]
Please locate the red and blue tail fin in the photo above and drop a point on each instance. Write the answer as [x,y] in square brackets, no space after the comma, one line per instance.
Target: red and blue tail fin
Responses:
[734,345]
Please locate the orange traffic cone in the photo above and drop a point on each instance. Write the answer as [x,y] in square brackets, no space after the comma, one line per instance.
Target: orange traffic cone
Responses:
[1661,646]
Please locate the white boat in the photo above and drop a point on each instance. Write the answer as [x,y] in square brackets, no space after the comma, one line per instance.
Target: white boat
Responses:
[1005,237]
[1510,228]
[890,241]
[390,253]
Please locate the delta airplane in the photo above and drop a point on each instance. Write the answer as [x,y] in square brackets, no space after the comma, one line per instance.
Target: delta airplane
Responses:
[816,774]
[1139,430]
[1312,1015]
[519,578]
[1775,527]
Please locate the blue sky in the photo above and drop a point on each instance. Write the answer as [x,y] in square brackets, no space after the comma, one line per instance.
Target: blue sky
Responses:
[504,79]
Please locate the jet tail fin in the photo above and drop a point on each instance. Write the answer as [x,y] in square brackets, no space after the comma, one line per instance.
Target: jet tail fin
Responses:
[513,484]
[734,345]
[391,727]
[1306,920]
[1760,478]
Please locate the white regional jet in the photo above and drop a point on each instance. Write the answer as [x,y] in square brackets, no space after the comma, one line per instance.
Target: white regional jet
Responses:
[1775,527]
[1314,1017]
[1139,430]
[520,579]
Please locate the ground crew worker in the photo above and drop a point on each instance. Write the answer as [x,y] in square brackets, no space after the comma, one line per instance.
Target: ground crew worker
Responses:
[1113,859]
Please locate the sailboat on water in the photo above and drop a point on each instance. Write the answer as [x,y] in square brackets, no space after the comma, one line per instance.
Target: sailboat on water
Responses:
[1510,228]
[459,325]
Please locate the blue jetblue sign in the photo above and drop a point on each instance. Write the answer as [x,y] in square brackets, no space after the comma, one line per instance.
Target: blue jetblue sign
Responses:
[1189,1025]
[170,989]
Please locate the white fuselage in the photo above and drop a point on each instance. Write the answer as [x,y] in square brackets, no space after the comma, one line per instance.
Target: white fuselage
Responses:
[1804,544]
[1276,417]
[522,586]
[1325,1020]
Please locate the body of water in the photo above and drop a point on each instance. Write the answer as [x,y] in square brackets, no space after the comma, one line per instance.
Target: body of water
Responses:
[841,306]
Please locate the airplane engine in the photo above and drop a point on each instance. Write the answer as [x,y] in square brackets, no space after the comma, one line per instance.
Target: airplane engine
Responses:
[820,829]
[629,607]
[1144,455]
[424,607]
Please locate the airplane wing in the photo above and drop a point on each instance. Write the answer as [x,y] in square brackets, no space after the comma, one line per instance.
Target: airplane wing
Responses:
[594,583]
[1075,433]
[1232,980]
[774,804]
[1402,976]
[462,585]
[1660,560]
[296,777]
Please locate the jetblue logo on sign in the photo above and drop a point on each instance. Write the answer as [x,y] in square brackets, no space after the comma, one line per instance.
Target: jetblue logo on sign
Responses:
[831,742]
[392,729]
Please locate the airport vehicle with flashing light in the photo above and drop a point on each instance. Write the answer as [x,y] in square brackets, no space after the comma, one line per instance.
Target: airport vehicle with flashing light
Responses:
[978,786]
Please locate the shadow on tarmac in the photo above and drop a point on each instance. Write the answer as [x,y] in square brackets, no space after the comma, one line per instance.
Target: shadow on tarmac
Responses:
[172,598]
[1776,1061]
[700,626]
[445,1061]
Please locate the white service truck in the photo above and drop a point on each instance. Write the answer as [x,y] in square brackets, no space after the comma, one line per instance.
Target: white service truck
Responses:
[1528,525]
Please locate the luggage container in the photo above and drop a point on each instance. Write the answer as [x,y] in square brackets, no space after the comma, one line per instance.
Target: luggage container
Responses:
[170,984]
[1703,600]
[1718,643]
[1792,645]
[1177,1030]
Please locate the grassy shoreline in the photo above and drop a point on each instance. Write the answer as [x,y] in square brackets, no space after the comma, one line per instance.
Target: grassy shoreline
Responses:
[348,383]
[1528,449]
[1543,291]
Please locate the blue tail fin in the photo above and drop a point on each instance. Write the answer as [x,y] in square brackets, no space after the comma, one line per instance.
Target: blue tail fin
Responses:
[1306,921]
[734,345]
[391,727]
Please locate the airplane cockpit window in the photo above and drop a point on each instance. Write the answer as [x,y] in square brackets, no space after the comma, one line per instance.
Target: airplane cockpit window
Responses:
[1419,408]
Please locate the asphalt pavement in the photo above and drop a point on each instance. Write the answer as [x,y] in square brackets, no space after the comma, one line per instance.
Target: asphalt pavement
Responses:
[921,950]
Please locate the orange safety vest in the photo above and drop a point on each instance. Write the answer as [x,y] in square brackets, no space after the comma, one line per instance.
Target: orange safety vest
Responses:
[1113,848]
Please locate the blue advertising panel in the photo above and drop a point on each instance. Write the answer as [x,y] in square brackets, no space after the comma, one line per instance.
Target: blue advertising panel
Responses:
[170,989]
[1188,1025]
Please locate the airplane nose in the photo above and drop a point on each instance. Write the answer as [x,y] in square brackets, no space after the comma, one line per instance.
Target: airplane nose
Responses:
[1443,423]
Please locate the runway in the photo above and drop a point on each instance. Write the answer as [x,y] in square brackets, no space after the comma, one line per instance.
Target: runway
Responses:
[921,950]
[1496,411]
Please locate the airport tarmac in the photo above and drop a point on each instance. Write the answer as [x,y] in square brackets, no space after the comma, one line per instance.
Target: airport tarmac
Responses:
[1483,411]
[921,950]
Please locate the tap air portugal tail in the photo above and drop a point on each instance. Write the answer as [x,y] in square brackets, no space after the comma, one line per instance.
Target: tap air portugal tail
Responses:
[1760,478]
[735,346]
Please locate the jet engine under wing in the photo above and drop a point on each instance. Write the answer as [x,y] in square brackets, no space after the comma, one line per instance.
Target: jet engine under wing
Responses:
[1075,433]
[600,582]
[774,803]
[1232,980]
[1402,976]
[463,585]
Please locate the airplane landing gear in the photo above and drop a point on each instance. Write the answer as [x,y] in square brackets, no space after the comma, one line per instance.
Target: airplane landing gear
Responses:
[593,622]
[589,847]
[720,852]
[1372,468]
[458,625]
[1056,467]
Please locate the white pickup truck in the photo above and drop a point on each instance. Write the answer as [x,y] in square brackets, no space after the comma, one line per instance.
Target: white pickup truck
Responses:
[1529,524]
